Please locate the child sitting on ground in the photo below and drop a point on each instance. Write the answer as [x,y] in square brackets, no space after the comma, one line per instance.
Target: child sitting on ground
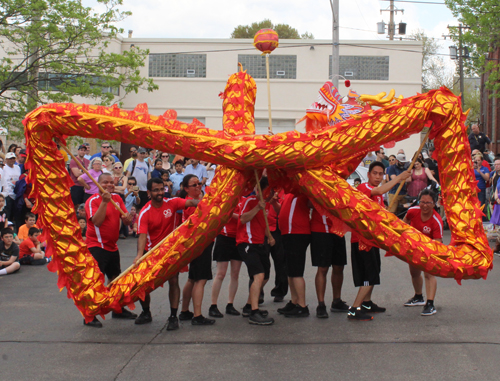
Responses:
[30,220]
[83,225]
[4,223]
[9,253]
[30,251]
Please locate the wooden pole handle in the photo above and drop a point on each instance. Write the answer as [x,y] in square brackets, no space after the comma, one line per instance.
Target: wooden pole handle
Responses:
[261,197]
[269,96]
[88,174]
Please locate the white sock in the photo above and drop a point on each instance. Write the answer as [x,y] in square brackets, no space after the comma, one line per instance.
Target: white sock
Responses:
[3,272]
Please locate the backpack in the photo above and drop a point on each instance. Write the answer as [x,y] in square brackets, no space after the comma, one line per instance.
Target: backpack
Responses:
[134,162]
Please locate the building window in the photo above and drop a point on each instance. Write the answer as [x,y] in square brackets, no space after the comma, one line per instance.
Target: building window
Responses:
[178,65]
[53,81]
[375,68]
[280,66]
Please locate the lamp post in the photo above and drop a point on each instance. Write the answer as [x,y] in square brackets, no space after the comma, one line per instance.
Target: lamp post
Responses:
[335,42]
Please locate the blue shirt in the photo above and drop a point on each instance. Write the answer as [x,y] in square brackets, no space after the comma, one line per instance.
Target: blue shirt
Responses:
[176,179]
[481,183]
[395,170]
[99,154]
[155,173]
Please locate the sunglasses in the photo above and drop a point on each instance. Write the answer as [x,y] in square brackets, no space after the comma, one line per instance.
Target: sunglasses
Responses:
[164,155]
[195,185]
[133,150]
[106,146]
[131,183]
[118,167]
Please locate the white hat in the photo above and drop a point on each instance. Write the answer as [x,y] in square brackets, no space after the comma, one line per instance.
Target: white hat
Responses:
[10,155]
[401,157]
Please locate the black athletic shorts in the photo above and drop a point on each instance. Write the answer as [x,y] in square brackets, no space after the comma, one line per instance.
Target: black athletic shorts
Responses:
[108,261]
[225,249]
[365,266]
[328,249]
[201,267]
[256,257]
[295,246]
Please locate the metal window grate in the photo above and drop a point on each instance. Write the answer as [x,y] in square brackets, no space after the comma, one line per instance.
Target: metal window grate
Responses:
[374,68]
[178,65]
[280,66]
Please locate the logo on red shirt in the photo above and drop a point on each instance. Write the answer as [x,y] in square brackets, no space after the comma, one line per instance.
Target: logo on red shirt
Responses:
[167,213]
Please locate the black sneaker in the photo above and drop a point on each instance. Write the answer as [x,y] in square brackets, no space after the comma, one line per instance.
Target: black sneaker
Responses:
[173,323]
[94,323]
[372,307]
[321,312]
[125,314]
[260,319]
[202,320]
[298,311]
[339,306]
[428,310]
[245,312]
[278,299]
[186,315]
[144,318]
[230,310]
[288,307]
[415,301]
[358,314]
[213,311]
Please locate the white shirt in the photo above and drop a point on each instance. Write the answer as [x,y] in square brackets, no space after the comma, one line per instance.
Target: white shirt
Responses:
[140,173]
[10,175]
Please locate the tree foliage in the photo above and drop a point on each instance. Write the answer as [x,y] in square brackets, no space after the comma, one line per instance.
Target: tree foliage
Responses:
[481,37]
[56,50]
[434,71]
[284,31]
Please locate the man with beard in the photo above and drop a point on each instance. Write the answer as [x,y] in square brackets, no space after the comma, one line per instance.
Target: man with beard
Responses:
[133,156]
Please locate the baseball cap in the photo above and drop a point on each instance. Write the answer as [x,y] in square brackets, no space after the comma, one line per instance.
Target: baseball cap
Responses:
[10,155]
[142,150]
[22,153]
[82,146]
[401,157]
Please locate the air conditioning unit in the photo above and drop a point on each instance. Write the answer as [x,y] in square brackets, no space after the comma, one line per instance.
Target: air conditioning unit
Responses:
[191,72]
[280,72]
[348,74]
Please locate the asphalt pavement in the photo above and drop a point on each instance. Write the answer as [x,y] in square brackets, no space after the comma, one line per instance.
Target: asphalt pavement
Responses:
[42,336]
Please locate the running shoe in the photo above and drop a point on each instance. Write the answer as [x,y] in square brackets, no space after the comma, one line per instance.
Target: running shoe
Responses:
[428,310]
[213,311]
[259,319]
[358,314]
[144,318]
[125,314]
[186,315]
[415,301]
[288,307]
[230,310]
[339,306]
[173,323]
[298,311]
[371,307]
[321,312]
[202,320]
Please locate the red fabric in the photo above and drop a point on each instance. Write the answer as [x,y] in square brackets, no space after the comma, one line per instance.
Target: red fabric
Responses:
[367,190]
[188,211]
[157,223]
[272,216]
[106,235]
[432,228]
[229,230]
[253,231]
[294,215]
[25,248]
[320,223]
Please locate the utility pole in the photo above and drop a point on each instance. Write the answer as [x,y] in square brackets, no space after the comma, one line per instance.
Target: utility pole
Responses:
[335,42]
[461,65]
[392,27]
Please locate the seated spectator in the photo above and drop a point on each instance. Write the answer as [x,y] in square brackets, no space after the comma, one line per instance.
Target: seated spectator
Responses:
[9,253]
[158,169]
[132,228]
[357,181]
[80,213]
[30,250]
[4,223]
[30,220]
[82,221]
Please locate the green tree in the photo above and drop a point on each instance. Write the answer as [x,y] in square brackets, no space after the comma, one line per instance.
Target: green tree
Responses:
[481,37]
[284,31]
[434,71]
[55,50]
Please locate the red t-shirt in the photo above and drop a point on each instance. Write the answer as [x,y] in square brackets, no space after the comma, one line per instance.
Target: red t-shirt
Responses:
[188,211]
[367,190]
[157,223]
[272,216]
[106,235]
[294,215]
[320,223]
[25,248]
[253,231]
[229,230]
[432,228]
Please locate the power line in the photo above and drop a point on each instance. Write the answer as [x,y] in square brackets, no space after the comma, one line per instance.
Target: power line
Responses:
[416,2]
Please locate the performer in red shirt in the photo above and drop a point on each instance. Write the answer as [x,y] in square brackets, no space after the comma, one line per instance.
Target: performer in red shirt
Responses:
[103,225]
[296,234]
[277,251]
[156,221]
[250,238]
[200,269]
[425,219]
[366,264]
[327,249]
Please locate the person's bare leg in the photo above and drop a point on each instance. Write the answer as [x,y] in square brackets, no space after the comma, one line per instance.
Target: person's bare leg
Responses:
[197,295]
[430,286]
[320,283]
[187,291]
[337,281]
[364,294]
[218,279]
[38,256]
[416,279]
[233,284]
[255,290]
[300,289]
[174,291]
[293,291]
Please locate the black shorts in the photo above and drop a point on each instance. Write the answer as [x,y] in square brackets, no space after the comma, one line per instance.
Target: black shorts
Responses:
[201,267]
[295,246]
[30,260]
[143,195]
[328,249]
[256,257]
[365,266]
[108,261]
[225,249]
